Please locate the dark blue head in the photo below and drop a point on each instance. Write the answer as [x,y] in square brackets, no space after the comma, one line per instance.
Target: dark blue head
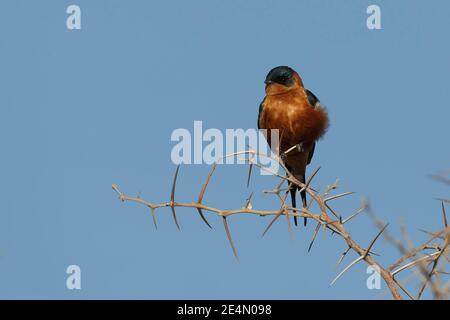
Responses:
[282,75]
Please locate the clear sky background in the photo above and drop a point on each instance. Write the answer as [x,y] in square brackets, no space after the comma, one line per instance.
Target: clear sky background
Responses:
[83,109]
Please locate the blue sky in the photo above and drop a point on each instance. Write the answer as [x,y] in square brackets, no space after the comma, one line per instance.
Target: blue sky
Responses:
[83,109]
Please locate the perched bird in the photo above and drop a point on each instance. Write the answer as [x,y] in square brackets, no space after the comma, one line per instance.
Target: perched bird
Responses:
[301,120]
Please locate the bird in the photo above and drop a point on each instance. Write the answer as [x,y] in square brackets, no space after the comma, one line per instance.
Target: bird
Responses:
[300,118]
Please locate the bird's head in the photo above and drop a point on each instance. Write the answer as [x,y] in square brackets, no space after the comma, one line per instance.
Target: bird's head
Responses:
[281,79]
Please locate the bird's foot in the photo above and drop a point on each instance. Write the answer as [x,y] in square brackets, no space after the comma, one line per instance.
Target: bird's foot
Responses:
[300,147]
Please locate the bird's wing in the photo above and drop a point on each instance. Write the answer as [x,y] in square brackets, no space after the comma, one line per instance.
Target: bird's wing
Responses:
[261,106]
[313,100]
[311,153]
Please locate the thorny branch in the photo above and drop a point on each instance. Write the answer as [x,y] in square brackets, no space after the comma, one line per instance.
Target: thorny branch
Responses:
[430,276]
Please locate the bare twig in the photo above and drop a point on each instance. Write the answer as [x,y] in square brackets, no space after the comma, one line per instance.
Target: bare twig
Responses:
[202,193]
[227,230]
[172,198]
[323,219]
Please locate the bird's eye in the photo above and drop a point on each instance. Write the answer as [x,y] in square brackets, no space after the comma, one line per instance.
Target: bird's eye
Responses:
[284,78]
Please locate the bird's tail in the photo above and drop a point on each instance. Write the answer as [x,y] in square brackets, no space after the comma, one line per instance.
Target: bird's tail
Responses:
[293,191]
[305,204]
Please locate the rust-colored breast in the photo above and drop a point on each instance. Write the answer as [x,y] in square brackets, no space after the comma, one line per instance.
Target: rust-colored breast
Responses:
[295,118]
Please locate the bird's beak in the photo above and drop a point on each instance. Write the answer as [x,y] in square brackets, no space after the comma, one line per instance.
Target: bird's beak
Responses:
[267,82]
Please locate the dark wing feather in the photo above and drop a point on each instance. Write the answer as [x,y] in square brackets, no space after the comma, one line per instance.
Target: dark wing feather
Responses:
[261,107]
[313,100]
[311,153]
